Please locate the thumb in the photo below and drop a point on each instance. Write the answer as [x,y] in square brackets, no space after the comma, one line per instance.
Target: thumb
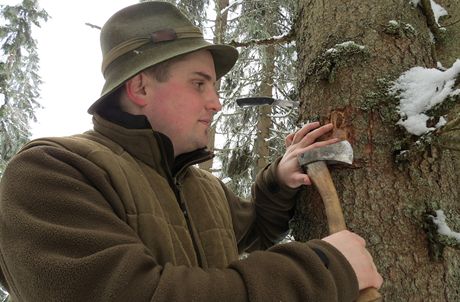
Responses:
[300,179]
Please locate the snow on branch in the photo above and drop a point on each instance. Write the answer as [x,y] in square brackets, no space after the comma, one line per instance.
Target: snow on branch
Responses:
[443,229]
[225,9]
[419,89]
[287,38]
[432,11]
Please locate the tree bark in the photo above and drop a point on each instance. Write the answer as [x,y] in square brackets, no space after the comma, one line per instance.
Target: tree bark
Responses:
[385,201]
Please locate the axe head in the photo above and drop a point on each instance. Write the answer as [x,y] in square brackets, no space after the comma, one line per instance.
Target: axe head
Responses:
[340,152]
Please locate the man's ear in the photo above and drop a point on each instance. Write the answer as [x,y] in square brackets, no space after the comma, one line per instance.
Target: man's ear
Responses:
[135,89]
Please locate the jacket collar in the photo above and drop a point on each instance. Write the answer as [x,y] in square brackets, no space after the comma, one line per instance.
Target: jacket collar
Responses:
[135,135]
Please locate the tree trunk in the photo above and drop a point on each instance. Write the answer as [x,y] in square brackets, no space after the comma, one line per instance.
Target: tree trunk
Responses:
[388,202]
[264,122]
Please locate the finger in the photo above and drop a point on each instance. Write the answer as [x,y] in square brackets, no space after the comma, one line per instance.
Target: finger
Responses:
[379,281]
[312,136]
[306,180]
[361,241]
[299,135]
[303,179]
[288,139]
[374,267]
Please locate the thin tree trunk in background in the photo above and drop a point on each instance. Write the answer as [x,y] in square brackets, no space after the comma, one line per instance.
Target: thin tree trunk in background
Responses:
[220,28]
[385,201]
[266,89]
[265,123]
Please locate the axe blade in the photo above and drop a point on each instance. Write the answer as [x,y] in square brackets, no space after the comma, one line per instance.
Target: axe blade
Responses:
[340,152]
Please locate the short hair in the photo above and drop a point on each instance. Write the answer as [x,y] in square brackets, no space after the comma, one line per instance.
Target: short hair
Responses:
[158,71]
[161,70]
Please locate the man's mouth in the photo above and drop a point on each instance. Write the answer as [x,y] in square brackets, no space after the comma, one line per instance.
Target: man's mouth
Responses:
[207,122]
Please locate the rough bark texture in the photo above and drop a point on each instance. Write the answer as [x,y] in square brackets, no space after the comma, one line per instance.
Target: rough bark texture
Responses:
[387,202]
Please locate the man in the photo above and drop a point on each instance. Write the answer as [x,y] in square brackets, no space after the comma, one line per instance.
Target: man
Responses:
[121,214]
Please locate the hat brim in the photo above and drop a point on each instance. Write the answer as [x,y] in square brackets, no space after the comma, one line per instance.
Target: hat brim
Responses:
[134,62]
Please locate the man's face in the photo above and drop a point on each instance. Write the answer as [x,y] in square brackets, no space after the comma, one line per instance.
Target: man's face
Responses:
[182,107]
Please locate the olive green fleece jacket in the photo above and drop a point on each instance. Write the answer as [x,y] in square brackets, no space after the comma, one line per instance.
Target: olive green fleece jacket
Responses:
[110,216]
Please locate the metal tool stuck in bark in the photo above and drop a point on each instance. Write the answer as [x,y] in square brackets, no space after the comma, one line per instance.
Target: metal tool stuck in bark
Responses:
[263,100]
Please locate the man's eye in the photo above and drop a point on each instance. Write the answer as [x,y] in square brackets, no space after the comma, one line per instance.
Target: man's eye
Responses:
[198,84]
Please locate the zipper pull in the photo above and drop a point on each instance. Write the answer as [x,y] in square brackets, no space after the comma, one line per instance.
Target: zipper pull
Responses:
[177,183]
[182,206]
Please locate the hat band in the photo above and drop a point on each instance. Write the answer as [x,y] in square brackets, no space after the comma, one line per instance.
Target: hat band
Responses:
[163,35]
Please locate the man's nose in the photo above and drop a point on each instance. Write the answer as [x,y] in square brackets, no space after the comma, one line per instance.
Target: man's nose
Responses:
[213,102]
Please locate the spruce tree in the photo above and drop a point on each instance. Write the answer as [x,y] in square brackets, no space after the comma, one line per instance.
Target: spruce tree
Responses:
[255,136]
[19,79]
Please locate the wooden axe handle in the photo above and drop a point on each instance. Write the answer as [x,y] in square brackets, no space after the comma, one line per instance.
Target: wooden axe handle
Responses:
[321,178]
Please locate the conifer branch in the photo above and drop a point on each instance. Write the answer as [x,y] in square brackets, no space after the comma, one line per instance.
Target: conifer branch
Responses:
[289,37]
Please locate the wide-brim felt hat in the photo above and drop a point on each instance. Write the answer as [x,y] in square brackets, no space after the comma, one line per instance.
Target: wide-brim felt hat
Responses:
[148,33]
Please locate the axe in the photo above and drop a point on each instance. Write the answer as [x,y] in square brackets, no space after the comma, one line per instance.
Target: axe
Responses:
[314,163]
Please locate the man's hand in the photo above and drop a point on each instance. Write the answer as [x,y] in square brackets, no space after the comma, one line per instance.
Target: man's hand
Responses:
[353,247]
[289,171]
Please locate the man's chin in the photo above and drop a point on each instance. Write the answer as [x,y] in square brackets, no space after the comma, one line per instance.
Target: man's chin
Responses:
[197,146]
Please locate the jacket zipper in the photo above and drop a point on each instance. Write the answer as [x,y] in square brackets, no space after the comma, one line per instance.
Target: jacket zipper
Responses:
[183,206]
[176,186]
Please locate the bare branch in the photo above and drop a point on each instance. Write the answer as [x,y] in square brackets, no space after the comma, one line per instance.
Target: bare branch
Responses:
[93,26]
[430,19]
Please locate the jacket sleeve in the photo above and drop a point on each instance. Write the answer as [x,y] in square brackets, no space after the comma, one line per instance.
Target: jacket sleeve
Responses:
[60,240]
[264,220]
